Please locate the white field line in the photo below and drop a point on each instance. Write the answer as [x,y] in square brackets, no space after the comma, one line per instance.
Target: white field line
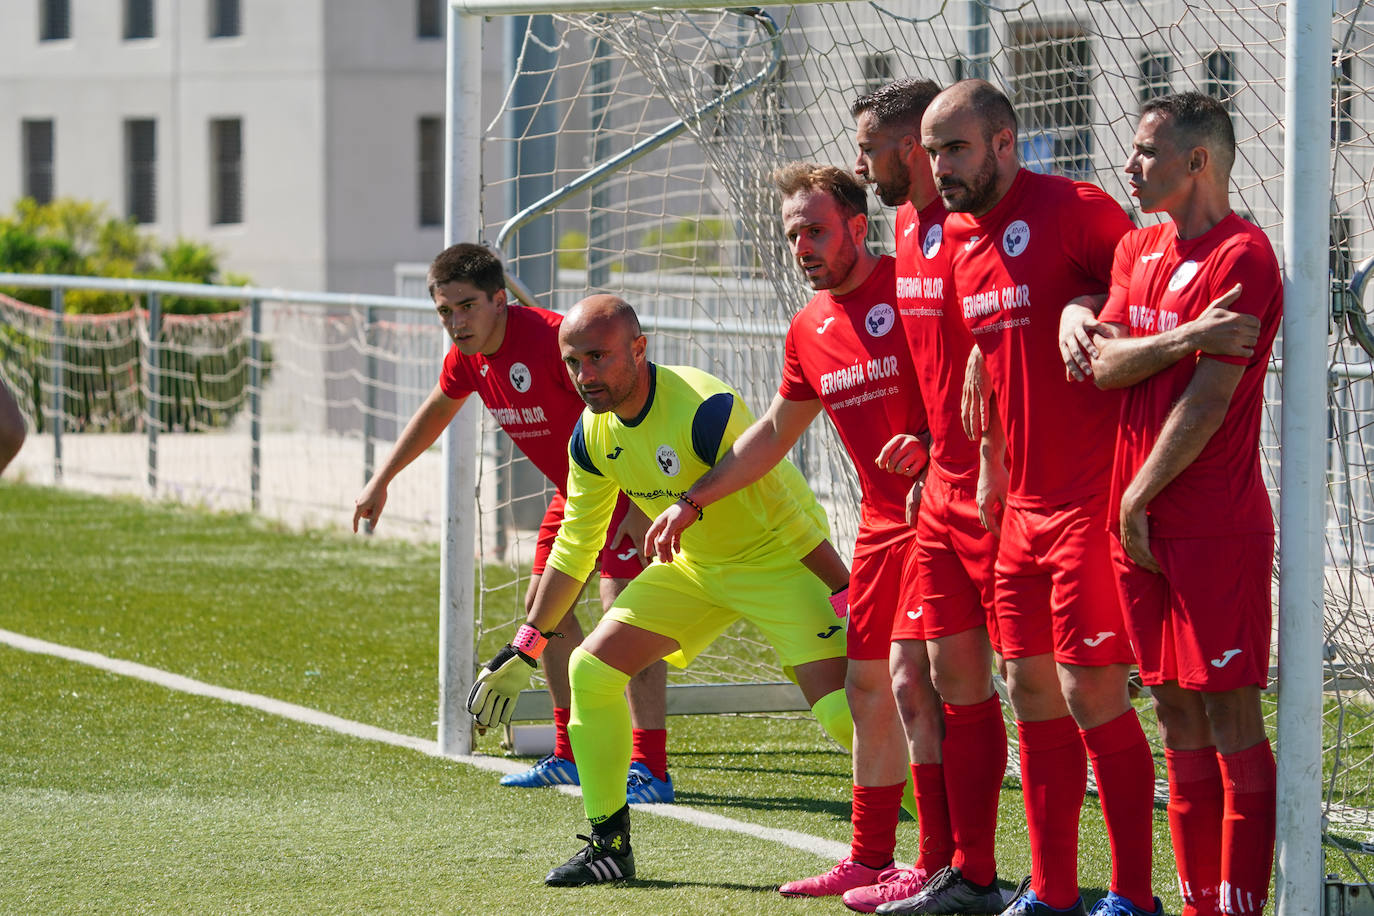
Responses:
[826,849]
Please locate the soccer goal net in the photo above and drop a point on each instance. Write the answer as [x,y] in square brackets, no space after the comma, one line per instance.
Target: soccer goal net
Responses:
[630,152]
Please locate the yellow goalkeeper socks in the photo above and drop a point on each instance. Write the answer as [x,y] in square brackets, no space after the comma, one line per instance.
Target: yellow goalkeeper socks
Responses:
[599,729]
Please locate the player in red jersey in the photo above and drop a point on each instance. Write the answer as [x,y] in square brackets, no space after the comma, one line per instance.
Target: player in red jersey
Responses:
[958,768]
[1024,245]
[1194,307]
[844,354]
[509,356]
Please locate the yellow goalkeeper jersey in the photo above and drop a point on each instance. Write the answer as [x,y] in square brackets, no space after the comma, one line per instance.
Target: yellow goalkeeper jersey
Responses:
[689,421]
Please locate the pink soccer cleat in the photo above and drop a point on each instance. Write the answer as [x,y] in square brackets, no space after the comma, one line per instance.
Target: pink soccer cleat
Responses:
[845,876]
[904,883]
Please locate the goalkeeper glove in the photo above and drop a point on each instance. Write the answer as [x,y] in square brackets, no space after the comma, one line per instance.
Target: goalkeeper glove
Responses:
[498,685]
[840,602]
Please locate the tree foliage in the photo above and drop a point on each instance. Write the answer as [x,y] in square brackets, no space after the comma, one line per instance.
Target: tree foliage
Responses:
[82,238]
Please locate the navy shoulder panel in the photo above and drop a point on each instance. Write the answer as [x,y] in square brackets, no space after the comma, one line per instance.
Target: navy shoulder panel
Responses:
[708,426]
[577,448]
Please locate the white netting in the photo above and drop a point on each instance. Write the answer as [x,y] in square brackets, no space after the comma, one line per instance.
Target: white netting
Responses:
[689,233]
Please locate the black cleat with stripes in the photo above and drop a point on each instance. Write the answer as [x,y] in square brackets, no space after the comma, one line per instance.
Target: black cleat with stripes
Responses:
[604,858]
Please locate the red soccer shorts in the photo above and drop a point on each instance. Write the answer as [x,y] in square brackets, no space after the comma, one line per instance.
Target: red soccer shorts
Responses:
[1205,622]
[618,561]
[1055,592]
[955,555]
[883,595]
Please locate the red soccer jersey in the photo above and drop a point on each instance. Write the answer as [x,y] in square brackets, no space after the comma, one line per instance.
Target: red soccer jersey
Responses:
[849,352]
[525,386]
[1160,281]
[1046,242]
[935,331]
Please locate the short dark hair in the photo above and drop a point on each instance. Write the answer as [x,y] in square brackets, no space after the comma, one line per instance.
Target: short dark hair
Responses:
[1199,120]
[849,194]
[900,103]
[467,263]
[992,107]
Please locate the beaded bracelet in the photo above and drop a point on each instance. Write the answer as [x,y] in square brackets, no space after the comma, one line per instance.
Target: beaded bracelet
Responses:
[694,504]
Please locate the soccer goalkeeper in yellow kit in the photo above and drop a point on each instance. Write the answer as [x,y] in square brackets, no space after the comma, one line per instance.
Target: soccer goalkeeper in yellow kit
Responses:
[760,553]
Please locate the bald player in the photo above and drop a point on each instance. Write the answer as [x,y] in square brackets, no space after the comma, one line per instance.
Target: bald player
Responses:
[1023,246]
[507,354]
[1186,334]
[652,431]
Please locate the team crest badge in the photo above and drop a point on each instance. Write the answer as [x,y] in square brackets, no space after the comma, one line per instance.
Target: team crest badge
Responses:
[1185,272]
[931,244]
[520,378]
[668,461]
[880,319]
[1016,238]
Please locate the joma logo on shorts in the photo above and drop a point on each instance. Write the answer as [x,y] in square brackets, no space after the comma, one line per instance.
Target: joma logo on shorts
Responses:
[1095,641]
[834,628]
[1225,658]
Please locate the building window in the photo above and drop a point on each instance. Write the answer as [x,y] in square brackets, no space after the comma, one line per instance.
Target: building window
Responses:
[38,154]
[431,171]
[224,19]
[1343,99]
[877,71]
[226,171]
[140,169]
[1052,94]
[1155,70]
[54,20]
[1219,77]
[429,18]
[138,19]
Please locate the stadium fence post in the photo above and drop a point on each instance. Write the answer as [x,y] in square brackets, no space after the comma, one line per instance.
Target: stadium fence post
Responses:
[1306,199]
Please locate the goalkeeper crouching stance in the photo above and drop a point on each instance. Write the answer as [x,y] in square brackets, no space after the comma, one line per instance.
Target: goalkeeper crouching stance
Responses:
[761,553]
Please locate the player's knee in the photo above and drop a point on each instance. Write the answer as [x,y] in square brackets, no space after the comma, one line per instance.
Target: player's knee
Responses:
[593,681]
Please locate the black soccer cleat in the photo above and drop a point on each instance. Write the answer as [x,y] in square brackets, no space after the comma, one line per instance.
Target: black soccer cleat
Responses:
[604,858]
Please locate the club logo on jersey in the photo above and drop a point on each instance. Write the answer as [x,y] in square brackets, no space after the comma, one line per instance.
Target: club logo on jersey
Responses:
[820,329]
[520,377]
[880,319]
[1016,238]
[1185,272]
[934,236]
[668,460]
[615,454]
[1099,639]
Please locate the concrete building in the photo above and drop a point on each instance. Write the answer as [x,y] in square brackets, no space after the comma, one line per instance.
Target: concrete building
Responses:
[302,139]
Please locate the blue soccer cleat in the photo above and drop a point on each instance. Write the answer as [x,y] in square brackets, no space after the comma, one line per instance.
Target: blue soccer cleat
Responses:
[1027,904]
[643,787]
[551,771]
[1114,905]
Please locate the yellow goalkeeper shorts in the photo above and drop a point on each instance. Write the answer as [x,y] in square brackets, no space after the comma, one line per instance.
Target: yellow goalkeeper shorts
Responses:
[694,604]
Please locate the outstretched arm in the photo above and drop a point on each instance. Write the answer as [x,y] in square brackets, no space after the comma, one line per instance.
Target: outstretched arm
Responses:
[420,433]
[756,452]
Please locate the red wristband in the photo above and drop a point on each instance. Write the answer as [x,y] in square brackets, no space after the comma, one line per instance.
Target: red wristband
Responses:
[529,641]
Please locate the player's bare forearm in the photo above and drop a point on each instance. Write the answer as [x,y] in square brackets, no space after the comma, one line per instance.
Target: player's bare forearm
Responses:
[993,480]
[757,450]
[1123,361]
[557,592]
[826,563]
[1191,423]
[976,394]
[423,429]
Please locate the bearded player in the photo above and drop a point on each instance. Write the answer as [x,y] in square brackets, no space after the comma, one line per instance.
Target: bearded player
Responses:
[1023,246]
[959,769]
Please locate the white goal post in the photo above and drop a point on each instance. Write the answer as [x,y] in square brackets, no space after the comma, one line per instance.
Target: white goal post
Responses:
[1306,123]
